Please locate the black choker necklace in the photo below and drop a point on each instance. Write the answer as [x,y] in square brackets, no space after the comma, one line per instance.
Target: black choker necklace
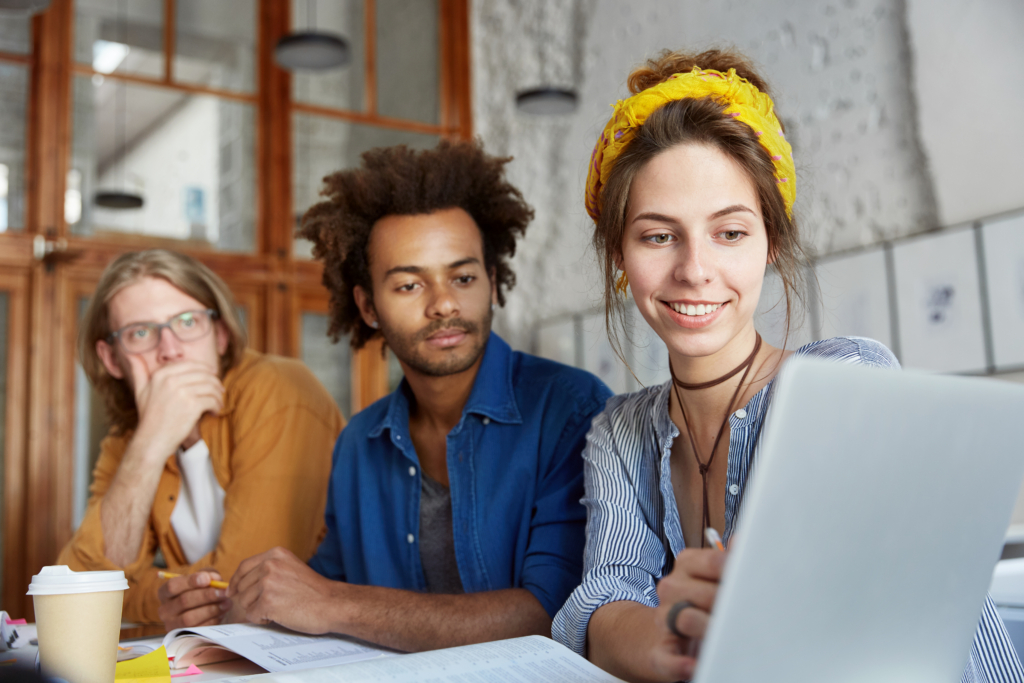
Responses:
[705,467]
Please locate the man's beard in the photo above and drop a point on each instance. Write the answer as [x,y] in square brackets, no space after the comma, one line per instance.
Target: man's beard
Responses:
[405,346]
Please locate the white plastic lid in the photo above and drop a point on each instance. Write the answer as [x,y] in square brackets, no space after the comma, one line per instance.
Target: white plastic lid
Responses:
[60,580]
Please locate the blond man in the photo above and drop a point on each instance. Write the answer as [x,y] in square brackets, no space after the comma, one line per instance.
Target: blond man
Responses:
[215,453]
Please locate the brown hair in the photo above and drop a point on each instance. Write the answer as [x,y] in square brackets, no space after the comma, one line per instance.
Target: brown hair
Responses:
[701,122]
[185,273]
[398,181]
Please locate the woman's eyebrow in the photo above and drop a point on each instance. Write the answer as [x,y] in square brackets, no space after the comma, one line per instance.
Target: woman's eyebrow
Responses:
[654,216]
[729,209]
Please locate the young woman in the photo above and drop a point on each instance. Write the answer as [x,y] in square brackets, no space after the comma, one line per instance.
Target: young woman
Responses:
[691,187]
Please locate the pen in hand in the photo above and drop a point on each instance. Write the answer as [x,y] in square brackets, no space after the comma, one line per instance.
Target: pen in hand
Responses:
[172,575]
[714,540]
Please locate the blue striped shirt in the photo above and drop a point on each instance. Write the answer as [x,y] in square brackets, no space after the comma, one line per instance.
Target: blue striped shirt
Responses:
[633,528]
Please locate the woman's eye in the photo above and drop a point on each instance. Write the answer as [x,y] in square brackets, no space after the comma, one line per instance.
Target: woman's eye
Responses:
[663,238]
[731,235]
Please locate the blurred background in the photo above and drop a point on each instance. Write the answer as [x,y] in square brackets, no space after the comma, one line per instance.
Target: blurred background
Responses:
[206,126]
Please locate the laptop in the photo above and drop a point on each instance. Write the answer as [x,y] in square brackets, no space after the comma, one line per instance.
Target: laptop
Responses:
[875,513]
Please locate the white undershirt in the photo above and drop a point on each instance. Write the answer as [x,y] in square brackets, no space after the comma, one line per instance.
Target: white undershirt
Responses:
[199,510]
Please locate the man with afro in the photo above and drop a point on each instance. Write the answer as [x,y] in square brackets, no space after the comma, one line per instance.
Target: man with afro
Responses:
[453,509]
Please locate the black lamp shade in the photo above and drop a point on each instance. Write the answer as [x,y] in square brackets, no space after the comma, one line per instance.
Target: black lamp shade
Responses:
[118,200]
[546,101]
[312,50]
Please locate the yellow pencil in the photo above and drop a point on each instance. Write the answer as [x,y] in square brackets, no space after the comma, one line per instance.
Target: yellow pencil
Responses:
[172,575]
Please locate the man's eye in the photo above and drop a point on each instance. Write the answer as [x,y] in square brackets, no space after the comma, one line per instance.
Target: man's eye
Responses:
[187,320]
[407,288]
[465,279]
[139,332]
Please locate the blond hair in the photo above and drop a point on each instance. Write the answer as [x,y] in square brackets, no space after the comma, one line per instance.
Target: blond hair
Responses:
[185,273]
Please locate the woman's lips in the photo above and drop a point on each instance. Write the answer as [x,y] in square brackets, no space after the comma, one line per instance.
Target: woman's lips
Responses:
[693,321]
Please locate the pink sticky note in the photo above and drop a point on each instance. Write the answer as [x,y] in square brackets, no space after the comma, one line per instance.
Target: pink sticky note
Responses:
[16,622]
[192,670]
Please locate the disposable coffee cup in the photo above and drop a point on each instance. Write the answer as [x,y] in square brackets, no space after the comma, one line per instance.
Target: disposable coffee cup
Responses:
[78,621]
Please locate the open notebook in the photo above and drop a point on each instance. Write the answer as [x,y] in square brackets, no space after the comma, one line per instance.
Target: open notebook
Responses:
[273,648]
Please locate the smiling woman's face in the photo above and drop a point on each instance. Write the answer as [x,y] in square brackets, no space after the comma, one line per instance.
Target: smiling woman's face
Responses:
[695,250]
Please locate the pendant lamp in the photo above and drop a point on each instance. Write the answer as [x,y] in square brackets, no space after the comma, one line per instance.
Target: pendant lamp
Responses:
[550,96]
[26,6]
[311,49]
[120,198]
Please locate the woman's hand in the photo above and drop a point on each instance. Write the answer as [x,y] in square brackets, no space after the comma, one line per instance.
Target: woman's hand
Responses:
[635,643]
[693,585]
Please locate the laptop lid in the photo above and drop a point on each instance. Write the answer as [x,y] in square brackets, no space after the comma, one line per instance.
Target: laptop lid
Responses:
[875,513]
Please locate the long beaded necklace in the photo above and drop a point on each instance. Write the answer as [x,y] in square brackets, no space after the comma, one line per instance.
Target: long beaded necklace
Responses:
[705,467]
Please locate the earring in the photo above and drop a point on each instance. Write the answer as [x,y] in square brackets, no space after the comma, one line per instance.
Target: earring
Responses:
[375,324]
[622,283]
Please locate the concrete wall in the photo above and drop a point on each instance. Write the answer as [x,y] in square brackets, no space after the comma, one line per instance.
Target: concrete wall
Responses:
[967,84]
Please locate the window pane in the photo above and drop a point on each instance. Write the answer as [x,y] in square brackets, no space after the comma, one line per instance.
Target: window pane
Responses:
[323,146]
[343,87]
[91,425]
[16,34]
[123,36]
[331,363]
[408,60]
[13,100]
[4,334]
[215,43]
[190,157]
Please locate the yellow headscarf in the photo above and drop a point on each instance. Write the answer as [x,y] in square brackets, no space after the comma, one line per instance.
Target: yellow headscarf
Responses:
[743,101]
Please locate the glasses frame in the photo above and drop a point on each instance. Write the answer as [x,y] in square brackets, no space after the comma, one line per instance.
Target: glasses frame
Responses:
[159,327]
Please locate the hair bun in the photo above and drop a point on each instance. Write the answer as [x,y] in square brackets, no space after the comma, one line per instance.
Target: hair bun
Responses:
[662,67]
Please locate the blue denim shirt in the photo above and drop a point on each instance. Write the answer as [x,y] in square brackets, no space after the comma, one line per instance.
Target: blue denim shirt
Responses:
[516,475]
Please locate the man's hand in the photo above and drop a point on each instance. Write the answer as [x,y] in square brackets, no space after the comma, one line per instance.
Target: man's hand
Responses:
[278,587]
[171,400]
[187,601]
[694,579]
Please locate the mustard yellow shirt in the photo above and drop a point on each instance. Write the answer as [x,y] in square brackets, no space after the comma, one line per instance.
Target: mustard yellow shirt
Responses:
[271,453]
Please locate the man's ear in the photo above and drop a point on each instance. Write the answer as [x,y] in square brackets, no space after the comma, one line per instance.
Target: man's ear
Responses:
[106,353]
[365,304]
[493,276]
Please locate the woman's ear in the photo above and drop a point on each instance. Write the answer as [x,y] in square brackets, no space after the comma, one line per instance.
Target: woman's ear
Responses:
[617,258]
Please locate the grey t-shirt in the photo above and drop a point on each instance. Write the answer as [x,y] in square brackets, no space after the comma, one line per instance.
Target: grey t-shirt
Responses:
[437,540]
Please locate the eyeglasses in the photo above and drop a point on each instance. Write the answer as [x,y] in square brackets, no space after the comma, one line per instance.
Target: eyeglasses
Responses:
[142,337]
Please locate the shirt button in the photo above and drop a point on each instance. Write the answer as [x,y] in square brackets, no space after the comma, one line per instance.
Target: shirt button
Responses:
[734,489]
[486,420]
[412,471]
[410,538]
[398,437]
[740,413]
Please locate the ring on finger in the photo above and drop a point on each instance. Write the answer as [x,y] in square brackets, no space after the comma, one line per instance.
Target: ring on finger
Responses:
[673,615]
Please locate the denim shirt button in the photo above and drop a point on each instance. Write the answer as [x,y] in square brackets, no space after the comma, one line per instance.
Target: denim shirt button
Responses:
[412,471]
[486,420]
[410,538]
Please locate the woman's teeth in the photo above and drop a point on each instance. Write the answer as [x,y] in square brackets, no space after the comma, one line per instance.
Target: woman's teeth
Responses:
[699,309]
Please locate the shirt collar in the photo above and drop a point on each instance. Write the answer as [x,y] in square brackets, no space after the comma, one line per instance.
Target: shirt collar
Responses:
[492,395]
